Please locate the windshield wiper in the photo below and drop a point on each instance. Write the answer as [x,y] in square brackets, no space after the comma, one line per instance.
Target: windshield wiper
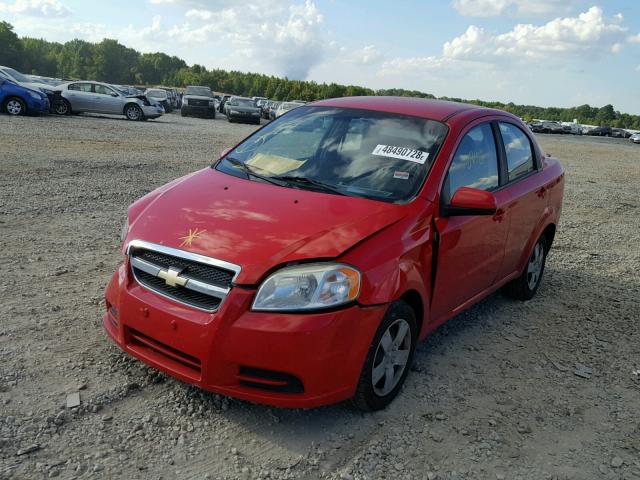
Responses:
[249,172]
[316,184]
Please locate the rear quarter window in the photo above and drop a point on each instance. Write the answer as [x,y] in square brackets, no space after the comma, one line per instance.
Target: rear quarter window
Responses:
[519,151]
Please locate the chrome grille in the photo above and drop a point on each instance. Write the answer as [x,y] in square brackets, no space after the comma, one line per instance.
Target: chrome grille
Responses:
[195,280]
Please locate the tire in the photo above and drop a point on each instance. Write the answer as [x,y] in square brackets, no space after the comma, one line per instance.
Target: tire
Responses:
[133,112]
[375,395]
[63,107]
[15,106]
[526,285]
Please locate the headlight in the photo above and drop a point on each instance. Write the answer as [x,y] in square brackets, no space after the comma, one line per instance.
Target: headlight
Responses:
[125,229]
[306,287]
[234,112]
[211,103]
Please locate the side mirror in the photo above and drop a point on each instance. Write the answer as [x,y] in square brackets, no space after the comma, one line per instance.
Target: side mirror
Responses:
[114,94]
[471,201]
[224,152]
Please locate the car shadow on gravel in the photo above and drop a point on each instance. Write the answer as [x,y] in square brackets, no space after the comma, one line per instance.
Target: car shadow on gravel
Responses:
[491,329]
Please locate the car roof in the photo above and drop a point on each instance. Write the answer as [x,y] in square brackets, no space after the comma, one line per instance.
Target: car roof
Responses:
[439,110]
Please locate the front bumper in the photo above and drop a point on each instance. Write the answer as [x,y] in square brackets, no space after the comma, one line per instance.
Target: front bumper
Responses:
[198,110]
[36,106]
[152,111]
[280,359]
[245,117]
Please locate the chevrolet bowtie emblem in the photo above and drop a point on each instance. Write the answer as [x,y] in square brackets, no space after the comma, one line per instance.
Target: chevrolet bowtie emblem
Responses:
[172,278]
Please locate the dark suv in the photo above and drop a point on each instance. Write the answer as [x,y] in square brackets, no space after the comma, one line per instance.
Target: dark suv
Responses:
[198,101]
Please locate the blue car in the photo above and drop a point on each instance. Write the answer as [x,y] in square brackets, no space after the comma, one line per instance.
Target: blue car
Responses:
[18,100]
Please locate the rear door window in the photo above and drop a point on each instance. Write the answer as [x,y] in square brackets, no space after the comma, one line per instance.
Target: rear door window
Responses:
[475,163]
[80,87]
[519,151]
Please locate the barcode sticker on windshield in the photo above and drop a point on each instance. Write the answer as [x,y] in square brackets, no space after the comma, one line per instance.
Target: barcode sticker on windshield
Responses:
[403,153]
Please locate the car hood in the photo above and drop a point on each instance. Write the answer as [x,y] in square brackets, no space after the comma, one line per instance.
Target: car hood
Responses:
[253,224]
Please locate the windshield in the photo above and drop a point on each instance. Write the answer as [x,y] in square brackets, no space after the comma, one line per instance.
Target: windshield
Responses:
[17,75]
[156,93]
[351,152]
[242,102]
[200,91]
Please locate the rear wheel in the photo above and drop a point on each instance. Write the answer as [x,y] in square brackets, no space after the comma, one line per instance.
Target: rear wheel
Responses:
[526,285]
[388,360]
[63,107]
[15,106]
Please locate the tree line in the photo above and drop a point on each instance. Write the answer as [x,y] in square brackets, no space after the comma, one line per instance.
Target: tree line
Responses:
[109,61]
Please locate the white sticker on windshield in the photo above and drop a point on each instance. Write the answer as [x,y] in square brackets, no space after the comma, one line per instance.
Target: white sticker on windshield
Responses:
[403,153]
[401,175]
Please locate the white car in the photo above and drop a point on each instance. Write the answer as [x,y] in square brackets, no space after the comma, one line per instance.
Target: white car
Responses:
[284,107]
[635,138]
[96,97]
[15,76]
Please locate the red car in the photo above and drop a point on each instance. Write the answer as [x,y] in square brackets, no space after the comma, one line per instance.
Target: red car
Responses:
[302,268]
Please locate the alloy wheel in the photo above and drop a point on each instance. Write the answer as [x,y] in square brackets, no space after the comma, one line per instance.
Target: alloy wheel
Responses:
[62,108]
[534,267]
[14,107]
[391,357]
[133,113]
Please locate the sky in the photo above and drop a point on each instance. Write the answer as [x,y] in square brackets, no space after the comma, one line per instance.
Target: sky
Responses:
[539,52]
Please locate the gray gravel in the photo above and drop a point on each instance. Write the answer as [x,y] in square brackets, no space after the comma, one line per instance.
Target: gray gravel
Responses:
[493,393]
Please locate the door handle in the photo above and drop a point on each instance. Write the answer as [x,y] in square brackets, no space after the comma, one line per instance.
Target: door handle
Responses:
[498,216]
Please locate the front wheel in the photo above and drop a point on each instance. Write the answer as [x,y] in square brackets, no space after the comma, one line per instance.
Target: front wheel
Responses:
[15,106]
[133,112]
[526,285]
[388,360]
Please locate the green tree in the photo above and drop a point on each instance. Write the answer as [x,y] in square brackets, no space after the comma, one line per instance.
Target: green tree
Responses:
[10,47]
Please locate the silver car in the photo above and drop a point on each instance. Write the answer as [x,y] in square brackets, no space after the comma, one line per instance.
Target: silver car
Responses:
[96,97]
[635,138]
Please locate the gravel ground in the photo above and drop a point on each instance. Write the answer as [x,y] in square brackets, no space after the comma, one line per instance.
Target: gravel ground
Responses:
[538,390]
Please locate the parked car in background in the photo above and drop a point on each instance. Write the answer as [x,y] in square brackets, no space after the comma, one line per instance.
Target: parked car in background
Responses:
[161,96]
[242,109]
[552,127]
[96,97]
[635,138]
[16,99]
[284,107]
[53,82]
[273,109]
[172,95]
[198,100]
[573,129]
[599,132]
[223,101]
[266,108]
[21,79]
[339,238]
[619,133]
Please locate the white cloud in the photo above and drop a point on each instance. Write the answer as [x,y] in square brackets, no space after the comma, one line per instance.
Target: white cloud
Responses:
[491,8]
[268,34]
[588,33]
[36,8]
[634,38]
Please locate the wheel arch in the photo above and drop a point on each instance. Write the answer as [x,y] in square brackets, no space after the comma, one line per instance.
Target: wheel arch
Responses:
[128,104]
[414,300]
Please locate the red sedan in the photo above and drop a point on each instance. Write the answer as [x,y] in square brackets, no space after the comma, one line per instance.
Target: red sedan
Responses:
[302,268]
